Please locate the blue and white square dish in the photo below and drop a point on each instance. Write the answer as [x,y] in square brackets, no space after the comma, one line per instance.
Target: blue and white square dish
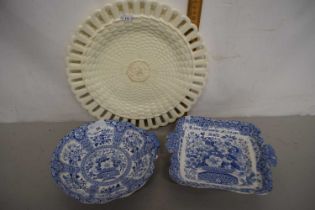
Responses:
[222,154]
[103,161]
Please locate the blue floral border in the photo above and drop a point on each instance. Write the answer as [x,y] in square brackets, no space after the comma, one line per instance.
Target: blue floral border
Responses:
[266,158]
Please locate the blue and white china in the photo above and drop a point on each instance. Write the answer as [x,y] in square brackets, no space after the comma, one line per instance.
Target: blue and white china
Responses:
[221,154]
[105,160]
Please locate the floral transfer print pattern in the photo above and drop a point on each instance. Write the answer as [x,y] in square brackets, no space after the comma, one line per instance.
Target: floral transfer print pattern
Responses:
[105,160]
[220,154]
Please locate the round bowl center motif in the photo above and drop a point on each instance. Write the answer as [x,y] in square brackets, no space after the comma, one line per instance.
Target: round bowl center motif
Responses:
[105,165]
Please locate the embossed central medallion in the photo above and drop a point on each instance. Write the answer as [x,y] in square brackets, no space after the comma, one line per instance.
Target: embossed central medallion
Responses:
[138,71]
[105,165]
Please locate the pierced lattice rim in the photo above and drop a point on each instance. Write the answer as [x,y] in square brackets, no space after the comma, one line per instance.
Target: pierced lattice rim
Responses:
[152,9]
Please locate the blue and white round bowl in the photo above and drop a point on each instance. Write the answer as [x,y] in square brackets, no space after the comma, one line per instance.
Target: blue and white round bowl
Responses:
[105,160]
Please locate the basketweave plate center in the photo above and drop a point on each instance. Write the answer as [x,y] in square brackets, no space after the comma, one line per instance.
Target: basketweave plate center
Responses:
[134,69]
[138,71]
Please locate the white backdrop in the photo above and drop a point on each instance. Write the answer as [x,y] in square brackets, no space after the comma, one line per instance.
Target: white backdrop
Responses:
[262,57]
